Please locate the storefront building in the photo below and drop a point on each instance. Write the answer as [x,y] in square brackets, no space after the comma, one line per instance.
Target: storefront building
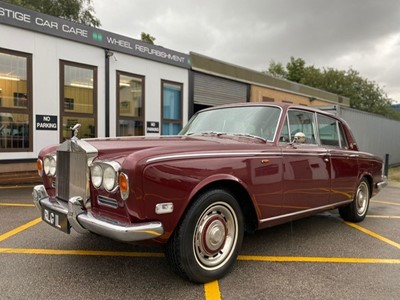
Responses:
[229,83]
[55,73]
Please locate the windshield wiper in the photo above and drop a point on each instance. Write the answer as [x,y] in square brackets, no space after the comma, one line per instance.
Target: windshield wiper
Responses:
[250,135]
[217,133]
[214,133]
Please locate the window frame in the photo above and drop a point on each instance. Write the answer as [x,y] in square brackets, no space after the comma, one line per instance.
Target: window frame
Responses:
[339,131]
[21,110]
[314,126]
[169,121]
[63,112]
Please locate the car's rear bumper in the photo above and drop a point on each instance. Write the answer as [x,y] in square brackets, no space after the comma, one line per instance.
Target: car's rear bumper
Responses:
[84,221]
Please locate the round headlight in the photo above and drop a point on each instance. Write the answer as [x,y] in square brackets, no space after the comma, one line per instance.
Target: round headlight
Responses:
[49,165]
[109,178]
[53,165]
[96,175]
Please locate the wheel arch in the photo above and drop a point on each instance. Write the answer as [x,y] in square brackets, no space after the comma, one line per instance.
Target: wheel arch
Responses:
[370,181]
[233,186]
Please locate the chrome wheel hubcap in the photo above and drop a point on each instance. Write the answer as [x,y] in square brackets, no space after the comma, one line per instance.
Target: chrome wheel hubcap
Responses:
[362,198]
[215,236]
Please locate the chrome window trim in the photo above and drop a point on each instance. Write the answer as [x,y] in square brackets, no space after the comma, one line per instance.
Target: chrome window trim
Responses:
[211,155]
[236,154]
[224,107]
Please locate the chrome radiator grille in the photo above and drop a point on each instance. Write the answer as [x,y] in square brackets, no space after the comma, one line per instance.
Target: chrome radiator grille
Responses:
[72,173]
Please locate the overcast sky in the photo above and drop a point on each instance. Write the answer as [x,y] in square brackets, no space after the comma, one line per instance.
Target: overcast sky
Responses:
[362,34]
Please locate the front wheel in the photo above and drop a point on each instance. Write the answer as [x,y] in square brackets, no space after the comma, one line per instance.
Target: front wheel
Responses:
[357,210]
[205,244]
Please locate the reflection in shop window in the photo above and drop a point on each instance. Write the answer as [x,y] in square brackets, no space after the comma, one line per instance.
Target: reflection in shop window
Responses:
[15,101]
[14,131]
[78,97]
[20,100]
[69,104]
[87,130]
[130,105]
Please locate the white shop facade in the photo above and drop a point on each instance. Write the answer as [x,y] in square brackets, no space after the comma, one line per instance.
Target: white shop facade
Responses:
[55,73]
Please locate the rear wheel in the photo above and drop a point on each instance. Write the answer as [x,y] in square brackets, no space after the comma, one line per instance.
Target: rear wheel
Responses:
[357,210]
[206,243]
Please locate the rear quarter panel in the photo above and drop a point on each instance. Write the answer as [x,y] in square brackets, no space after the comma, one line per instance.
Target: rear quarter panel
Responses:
[371,167]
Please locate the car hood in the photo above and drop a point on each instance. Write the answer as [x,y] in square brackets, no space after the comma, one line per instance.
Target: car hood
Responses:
[152,147]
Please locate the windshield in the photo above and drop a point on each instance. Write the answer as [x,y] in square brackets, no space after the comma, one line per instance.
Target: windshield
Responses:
[257,121]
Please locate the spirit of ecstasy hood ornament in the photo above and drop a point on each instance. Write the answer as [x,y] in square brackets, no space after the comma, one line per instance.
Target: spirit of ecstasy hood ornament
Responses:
[75,131]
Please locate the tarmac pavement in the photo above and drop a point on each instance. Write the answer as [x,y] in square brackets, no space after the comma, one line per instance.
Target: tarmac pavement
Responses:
[320,257]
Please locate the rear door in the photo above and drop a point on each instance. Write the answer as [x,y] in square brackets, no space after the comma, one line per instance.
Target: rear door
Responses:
[344,163]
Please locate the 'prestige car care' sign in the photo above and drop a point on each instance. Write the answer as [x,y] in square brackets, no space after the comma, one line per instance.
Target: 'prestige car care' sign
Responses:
[42,23]
[46,122]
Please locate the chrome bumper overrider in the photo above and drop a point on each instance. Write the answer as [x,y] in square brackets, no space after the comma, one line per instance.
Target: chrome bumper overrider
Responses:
[84,221]
[380,185]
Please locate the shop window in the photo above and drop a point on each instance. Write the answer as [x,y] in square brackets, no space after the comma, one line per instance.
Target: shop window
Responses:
[15,101]
[130,104]
[171,113]
[78,96]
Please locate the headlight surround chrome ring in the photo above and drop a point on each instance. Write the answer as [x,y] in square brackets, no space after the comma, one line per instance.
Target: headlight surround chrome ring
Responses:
[104,174]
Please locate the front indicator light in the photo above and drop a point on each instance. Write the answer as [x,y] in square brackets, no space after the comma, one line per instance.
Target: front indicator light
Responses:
[39,166]
[124,185]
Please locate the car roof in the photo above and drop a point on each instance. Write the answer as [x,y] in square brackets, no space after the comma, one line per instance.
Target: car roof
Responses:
[282,105]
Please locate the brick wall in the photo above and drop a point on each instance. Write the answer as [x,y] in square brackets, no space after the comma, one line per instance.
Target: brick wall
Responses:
[18,174]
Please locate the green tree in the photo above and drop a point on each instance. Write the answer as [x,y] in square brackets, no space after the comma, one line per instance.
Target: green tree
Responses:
[277,70]
[295,69]
[364,94]
[80,11]
[146,37]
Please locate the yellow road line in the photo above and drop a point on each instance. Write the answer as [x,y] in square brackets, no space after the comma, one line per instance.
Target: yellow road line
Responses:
[383,217]
[354,260]
[385,202]
[211,290]
[79,252]
[373,234]
[19,229]
[17,205]
[211,287]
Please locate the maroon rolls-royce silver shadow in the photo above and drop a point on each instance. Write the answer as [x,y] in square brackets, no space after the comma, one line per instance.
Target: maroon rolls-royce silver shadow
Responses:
[232,169]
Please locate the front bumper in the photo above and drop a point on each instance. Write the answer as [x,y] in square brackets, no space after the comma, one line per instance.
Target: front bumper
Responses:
[73,214]
[380,185]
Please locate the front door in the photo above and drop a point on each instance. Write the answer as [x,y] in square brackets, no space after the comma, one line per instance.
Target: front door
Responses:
[306,176]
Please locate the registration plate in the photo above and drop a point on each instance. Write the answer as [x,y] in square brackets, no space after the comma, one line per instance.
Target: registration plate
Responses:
[56,219]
